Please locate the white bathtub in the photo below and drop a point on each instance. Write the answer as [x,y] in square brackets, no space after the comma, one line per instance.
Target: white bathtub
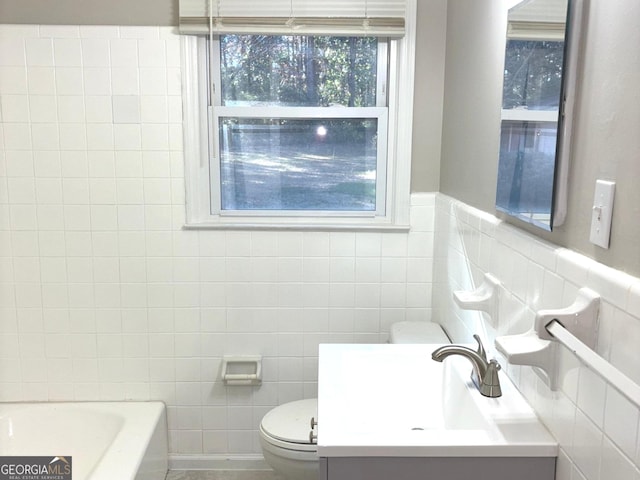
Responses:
[106,440]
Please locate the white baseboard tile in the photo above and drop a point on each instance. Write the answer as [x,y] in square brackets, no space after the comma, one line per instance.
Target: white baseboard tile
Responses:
[217,462]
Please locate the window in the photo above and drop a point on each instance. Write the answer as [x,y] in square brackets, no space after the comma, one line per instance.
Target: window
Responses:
[300,124]
[296,131]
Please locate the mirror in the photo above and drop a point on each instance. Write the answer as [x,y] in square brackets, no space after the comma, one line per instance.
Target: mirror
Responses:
[535,122]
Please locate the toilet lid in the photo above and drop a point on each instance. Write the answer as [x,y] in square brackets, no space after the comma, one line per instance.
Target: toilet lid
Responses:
[291,422]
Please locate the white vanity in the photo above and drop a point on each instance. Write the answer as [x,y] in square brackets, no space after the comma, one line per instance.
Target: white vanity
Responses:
[389,412]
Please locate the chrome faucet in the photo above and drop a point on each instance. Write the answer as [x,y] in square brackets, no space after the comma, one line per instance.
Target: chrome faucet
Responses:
[484,374]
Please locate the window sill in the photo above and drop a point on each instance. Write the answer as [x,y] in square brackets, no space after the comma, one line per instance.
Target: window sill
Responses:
[302,226]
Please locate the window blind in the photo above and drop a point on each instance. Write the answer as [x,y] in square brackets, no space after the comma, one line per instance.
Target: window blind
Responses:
[294,17]
[539,20]
[536,31]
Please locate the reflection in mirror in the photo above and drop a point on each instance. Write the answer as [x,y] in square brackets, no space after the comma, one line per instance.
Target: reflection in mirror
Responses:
[531,110]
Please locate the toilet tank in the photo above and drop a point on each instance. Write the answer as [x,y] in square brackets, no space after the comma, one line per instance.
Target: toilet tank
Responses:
[417,332]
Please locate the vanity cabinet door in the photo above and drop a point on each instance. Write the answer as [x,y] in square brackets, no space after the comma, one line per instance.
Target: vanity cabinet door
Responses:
[437,468]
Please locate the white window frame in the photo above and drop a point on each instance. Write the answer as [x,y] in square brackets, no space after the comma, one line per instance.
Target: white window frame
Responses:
[398,116]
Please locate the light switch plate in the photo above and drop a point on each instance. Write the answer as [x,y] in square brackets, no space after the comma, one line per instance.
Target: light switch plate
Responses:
[601,213]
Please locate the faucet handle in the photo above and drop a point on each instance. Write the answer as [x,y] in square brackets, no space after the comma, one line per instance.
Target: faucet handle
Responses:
[481,351]
[491,382]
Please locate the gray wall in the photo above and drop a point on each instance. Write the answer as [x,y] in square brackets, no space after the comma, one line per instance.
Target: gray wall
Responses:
[472,99]
[607,121]
[428,96]
[607,133]
[90,12]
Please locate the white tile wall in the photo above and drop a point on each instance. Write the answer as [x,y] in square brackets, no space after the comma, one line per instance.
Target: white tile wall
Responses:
[598,430]
[104,296]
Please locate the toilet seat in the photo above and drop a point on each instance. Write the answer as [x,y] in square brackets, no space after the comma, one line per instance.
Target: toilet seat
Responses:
[288,425]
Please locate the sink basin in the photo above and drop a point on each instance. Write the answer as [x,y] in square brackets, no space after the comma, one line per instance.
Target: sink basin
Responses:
[394,400]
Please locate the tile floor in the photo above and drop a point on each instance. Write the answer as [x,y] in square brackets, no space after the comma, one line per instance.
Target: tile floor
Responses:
[223,475]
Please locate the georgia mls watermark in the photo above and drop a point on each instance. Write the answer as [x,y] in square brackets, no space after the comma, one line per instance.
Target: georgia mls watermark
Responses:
[35,468]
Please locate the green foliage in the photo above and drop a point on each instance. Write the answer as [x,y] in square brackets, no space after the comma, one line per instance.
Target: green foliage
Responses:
[298,70]
[533,74]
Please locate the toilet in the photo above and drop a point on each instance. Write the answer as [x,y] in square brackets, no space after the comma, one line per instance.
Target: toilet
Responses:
[285,430]
[284,438]
[417,332]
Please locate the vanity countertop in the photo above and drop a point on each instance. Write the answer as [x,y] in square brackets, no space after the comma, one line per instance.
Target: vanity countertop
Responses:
[395,401]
